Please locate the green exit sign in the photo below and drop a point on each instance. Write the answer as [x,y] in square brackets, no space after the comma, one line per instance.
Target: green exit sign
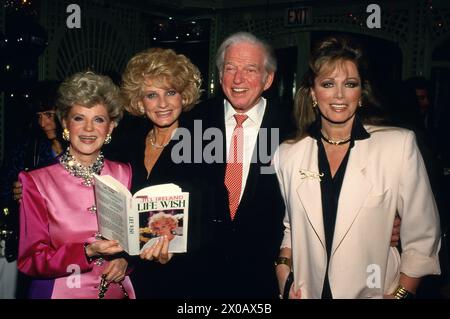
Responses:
[298,16]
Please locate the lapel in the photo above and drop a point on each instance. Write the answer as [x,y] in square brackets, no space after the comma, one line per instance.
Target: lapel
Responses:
[308,189]
[255,168]
[216,119]
[220,120]
[355,189]
[216,173]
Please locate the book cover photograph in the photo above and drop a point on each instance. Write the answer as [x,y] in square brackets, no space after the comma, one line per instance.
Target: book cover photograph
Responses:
[139,221]
[154,224]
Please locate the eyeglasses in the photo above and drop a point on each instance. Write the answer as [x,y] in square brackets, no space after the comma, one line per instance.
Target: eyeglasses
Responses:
[46,114]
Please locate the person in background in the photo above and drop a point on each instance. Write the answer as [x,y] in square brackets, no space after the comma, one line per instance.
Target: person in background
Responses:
[344,179]
[420,107]
[42,144]
[58,225]
[414,111]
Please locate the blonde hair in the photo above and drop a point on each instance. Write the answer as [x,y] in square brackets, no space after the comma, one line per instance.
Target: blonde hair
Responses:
[166,68]
[169,219]
[89,89]
[328,54]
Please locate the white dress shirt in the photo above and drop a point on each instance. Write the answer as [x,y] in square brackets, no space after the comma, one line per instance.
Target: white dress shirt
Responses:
[251,128]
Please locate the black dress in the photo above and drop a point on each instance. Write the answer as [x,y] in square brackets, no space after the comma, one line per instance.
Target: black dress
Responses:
[181,277]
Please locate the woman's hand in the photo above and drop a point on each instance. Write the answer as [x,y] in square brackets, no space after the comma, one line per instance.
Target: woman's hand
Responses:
[395,237]
[295,294]
[116,270]
[103,248]
[282,271]
[17,191]
[158,251]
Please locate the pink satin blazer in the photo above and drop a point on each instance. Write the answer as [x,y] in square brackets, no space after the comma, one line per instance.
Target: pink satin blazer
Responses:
[55,222]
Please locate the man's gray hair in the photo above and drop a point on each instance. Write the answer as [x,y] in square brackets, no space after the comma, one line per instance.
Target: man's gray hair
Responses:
[270,62]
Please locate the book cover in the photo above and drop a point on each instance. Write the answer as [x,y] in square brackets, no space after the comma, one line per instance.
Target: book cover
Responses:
[138,221]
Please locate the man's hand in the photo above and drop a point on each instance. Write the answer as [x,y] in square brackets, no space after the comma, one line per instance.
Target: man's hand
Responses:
[17,190]
[395,237]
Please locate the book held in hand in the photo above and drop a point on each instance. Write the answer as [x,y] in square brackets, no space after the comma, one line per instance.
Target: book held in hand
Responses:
[138,221]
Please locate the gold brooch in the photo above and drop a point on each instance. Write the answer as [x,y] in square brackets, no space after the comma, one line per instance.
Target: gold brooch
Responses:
[308,174]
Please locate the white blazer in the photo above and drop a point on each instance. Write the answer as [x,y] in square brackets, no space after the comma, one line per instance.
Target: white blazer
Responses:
[385,174]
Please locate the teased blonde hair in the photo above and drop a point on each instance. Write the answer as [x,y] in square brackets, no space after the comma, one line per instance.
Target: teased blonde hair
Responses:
[167,69]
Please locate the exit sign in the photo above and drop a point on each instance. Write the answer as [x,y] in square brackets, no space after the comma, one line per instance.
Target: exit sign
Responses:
[298,16]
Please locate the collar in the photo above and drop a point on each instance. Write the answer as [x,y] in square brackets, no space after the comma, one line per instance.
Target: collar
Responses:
[255,114]
[358,131]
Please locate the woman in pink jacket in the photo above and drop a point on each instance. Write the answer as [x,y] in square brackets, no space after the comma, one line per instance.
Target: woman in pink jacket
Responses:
[58,221]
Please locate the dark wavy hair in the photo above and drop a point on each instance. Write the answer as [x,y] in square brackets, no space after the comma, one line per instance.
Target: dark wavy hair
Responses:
[326,55]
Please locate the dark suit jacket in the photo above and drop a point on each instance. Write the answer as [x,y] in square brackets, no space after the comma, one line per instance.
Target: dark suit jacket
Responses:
[242,251]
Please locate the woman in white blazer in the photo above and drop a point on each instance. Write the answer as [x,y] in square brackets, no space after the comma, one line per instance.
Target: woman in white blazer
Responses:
[343,180]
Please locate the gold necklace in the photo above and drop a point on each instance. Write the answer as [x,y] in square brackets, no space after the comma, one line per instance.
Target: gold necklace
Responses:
[153,138]
[333,142]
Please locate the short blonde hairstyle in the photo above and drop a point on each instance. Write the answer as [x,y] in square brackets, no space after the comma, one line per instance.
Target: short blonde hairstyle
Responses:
[166,68]
[89,89]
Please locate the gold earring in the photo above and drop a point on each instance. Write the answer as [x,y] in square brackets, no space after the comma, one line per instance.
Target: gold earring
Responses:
[314,104]
[107,139]
[66,134]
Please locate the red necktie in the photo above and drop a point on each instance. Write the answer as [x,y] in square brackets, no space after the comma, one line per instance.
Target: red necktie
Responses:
[233,171]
